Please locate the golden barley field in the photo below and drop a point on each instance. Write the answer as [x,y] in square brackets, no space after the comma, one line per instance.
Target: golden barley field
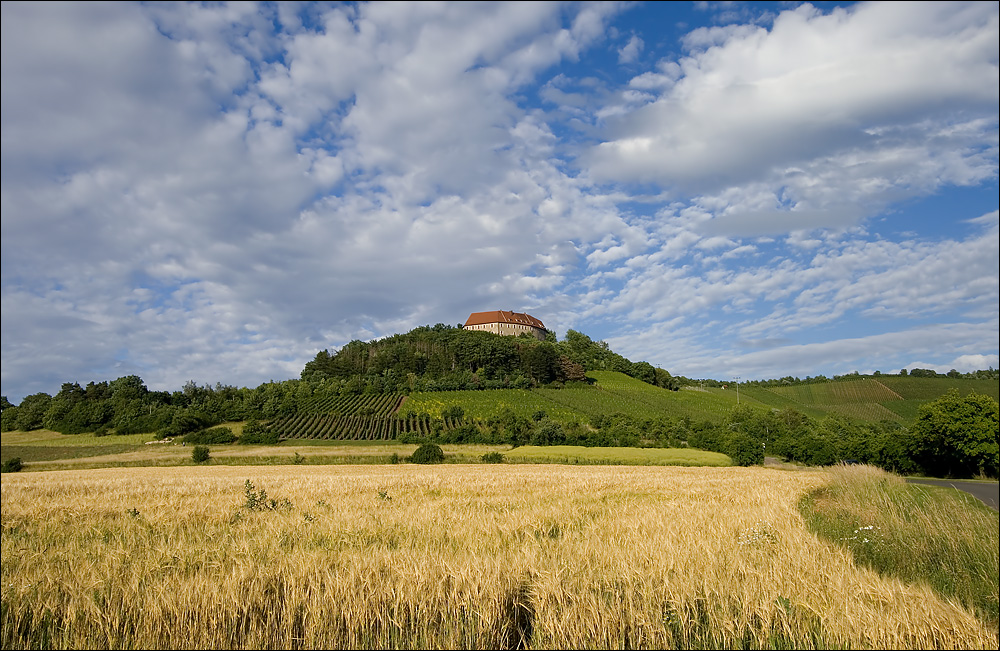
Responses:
[453,556]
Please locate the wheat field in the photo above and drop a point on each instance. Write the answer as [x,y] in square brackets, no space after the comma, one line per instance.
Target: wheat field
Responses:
[455,556]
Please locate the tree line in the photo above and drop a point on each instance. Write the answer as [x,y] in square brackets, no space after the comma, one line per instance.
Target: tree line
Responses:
[953,436]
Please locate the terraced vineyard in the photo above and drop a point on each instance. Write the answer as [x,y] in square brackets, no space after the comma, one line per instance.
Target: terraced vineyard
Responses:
[619,393]
[839,393]
[483,405]
[349,428]
[870,398]
[368,405]
[390,416]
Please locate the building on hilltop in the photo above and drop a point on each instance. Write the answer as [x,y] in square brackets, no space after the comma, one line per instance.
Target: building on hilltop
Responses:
[504,323]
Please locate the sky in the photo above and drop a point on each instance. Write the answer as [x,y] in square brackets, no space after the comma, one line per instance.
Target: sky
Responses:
[213,193]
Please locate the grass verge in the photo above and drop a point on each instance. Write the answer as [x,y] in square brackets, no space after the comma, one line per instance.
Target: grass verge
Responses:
[916,533]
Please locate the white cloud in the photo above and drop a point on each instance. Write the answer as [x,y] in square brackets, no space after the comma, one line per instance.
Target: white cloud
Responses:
[215,192]
[859,105]
[631,50]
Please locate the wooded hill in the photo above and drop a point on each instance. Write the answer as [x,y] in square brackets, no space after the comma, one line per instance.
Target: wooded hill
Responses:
[444,358]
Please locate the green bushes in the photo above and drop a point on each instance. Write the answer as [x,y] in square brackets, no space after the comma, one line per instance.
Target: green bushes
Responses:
[213,436]
[12,465]
[492,457]
[428,453]
[744,450]
[255,433]
[200,454]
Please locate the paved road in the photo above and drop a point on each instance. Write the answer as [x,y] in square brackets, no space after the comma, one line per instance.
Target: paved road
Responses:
[987,491]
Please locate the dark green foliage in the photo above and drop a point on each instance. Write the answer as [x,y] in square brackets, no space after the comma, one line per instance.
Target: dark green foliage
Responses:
[547,432]
[957,436]
[213,436]
[444,358]
[256,433]
[200,454]
[744,449]
[428,453]
[186,422]
[492,457]
[12,465]
[467,433]
[28,415]
[455,412]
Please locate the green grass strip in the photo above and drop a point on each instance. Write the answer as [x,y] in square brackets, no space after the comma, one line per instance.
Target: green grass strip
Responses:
[916,533]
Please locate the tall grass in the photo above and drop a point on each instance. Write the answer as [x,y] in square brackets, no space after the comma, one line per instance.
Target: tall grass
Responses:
[478,556]
[917,533]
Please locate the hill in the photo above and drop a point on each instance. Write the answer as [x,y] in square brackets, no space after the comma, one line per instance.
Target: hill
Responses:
[876,398]
[445,358]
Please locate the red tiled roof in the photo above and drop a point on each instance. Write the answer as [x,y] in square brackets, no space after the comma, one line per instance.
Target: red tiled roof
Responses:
[501,316]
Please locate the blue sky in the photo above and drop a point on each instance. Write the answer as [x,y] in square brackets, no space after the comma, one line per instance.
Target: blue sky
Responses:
[217,192]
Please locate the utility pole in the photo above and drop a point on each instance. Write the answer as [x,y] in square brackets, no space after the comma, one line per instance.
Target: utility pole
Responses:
[737,378]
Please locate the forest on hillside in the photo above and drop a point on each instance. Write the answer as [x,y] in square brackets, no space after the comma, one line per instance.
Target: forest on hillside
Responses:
[445,358]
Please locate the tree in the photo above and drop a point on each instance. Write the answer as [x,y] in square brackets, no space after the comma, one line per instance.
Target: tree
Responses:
[200,454]
[32,410]
[957,436]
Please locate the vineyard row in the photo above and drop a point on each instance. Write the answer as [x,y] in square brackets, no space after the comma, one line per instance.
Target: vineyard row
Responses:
[353,428]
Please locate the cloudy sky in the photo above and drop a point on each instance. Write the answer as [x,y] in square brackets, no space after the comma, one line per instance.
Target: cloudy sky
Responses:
[217,192]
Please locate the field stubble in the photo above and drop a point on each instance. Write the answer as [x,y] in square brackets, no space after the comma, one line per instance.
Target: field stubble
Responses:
[447,556]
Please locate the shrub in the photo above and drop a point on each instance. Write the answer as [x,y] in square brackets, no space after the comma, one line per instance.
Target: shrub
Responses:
[200,454]
[213,436]
[184,422]
[12,465]
[455,412]
[492,457]
[254,433]
[428,453]
[410,437]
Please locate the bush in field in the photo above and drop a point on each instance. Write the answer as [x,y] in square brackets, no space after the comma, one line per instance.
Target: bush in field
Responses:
[492,457]
[428,453]
[213,436]
[254,433]
[200,454]
[12,465]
